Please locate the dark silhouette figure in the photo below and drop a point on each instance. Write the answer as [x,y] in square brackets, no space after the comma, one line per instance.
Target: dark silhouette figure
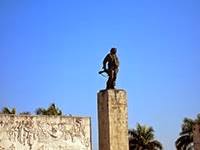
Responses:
[112,70]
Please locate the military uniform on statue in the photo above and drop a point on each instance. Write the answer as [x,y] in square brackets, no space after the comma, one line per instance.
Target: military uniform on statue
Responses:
[113,65]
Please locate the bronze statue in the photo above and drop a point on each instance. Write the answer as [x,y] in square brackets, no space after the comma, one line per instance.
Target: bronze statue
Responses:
[112,70]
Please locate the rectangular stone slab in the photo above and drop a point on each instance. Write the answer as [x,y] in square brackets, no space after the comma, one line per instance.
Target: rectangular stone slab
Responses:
[113,120]
[27,132]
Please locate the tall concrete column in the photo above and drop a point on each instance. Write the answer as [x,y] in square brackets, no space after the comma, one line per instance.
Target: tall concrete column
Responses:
[113,120]
[196,136]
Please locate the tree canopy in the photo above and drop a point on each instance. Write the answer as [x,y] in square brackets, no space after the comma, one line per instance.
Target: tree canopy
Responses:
[186,135]
[142,138]
[51,110]
[6,110]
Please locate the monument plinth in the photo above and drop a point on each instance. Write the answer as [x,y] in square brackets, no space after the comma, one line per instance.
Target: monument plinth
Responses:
[113,120]
[196,136]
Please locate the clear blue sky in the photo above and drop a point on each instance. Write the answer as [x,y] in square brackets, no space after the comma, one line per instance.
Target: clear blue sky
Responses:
[51,51]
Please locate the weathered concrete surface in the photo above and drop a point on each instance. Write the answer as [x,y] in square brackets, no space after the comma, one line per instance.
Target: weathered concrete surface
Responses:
[20,132]
[113,120]
[196,136]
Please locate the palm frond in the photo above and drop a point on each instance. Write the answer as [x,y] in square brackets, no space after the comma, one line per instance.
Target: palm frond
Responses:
[6,110]
[41,111]
[149,133]
[183,141]
[143,138]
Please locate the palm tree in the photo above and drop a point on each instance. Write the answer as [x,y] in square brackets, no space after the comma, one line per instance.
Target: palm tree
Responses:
[143,139]
[186,135]
[52,110]
[6,110]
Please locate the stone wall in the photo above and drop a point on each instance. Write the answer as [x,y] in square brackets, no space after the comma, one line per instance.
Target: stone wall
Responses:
[27,132]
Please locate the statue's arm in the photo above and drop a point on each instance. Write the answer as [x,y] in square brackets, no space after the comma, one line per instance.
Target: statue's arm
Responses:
[105,61]
[117,61]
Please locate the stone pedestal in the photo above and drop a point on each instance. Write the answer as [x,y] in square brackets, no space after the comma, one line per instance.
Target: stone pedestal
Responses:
[113,120]
[196,136]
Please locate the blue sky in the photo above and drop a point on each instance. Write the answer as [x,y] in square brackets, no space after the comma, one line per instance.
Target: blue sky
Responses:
[51,51]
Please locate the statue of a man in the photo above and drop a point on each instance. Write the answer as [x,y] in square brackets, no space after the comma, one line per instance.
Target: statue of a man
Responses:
[112,70]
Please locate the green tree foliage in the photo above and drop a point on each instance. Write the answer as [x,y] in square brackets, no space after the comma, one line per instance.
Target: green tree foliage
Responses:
[25,113]
[51,110]
[186,135]
[143,139]
[6,110]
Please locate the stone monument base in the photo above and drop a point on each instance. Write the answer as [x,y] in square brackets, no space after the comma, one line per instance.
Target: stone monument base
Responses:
[113,120]
[196,136]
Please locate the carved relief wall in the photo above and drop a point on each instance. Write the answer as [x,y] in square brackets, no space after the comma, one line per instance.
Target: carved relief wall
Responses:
[19,132]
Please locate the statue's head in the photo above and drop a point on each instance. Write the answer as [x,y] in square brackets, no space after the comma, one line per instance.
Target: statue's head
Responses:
[113,50]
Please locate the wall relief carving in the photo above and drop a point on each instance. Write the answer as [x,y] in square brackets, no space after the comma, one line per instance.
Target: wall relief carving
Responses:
[44,133]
